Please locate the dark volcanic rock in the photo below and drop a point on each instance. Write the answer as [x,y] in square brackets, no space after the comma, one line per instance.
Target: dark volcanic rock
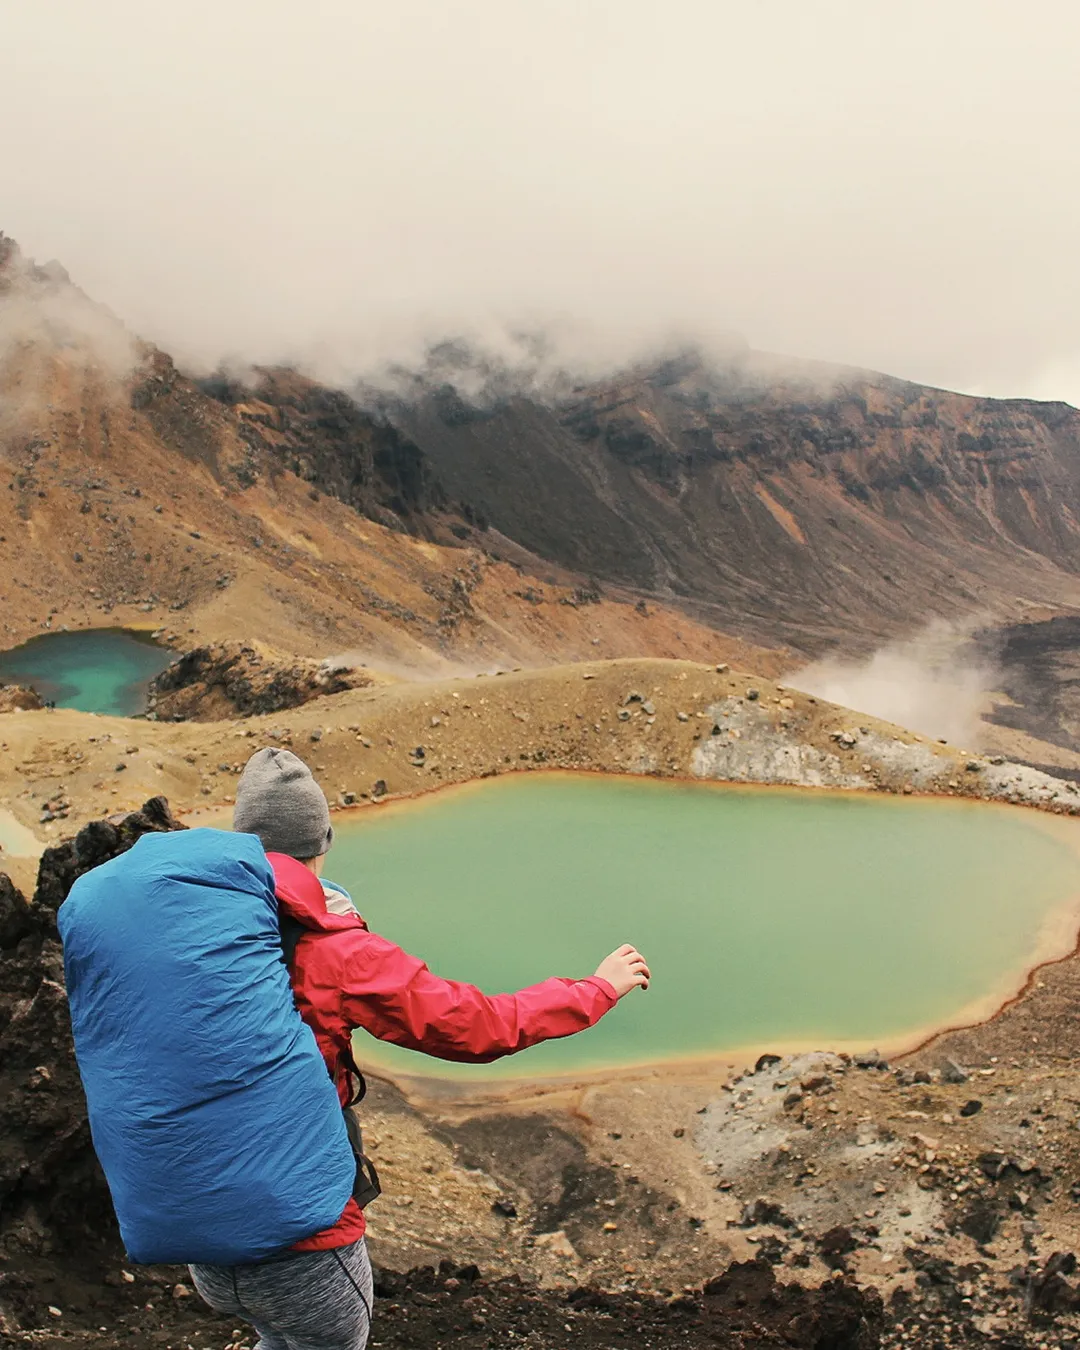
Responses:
[1050,1289]
[17,919]
[835,1246]
[993,1164]
[764,1211]
[982,1220]
[747,1299]
[457,1308]
[951,1072]
[330,441]
[95,844]
[229,678]
[1037,667]
[52,1193]
[19,698]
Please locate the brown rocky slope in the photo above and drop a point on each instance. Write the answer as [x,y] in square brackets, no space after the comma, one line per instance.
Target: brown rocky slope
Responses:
[130,496]
[796,505]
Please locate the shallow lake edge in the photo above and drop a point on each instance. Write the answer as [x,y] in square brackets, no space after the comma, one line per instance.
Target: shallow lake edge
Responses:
[134,691]
[1058,940]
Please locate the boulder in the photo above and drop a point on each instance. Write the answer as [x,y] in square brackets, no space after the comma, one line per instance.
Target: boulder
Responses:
[17,919]
[993,1164]
[982,1221]
[951,1072]
[1051,1291]
[19,698]
[764,1211]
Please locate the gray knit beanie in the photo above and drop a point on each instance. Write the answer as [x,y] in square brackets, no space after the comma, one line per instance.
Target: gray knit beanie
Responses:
[279,800]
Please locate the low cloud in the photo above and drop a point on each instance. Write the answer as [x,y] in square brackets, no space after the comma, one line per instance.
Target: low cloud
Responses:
[338,185]
[933,683]
[43,315]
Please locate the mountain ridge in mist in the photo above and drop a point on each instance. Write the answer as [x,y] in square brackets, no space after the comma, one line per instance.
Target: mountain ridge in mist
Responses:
[792,503]
[815,506]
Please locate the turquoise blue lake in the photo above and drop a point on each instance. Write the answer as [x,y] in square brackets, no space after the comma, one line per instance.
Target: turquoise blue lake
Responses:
[771,918]
[101,670]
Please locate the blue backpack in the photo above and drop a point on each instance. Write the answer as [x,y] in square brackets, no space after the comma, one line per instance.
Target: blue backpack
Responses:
[211,1110]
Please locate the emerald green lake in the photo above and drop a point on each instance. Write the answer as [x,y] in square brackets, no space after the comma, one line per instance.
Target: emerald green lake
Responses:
[100,670]
[770,917]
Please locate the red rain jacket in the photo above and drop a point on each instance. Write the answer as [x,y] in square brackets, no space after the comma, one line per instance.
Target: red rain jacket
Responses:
[345,977]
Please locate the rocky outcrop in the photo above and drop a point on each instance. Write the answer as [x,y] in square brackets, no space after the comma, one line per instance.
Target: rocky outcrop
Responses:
[842,1161]
[52,1193]
[748,744]
[778,740]
[18,270]
[230,679]
[291,423]
[19,698]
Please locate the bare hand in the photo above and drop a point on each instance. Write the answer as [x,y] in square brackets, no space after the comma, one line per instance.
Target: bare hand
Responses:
[624,970]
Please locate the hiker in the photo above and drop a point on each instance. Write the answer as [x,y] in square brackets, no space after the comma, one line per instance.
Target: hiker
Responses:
[313,1289]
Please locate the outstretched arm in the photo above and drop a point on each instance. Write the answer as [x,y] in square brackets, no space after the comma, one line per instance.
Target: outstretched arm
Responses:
[396,998]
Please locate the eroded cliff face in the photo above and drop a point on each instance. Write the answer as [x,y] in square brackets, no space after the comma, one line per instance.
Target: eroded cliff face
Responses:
[290,423]
[813,504]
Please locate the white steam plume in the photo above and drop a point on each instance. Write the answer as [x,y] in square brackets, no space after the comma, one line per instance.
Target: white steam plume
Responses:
[931,683]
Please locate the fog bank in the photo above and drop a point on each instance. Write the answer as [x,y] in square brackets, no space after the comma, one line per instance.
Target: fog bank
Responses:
[890,186]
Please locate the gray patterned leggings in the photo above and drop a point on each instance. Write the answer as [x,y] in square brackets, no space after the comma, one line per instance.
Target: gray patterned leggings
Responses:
[301,1301]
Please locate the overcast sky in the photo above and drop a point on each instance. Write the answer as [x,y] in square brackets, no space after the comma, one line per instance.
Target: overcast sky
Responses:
[895,185]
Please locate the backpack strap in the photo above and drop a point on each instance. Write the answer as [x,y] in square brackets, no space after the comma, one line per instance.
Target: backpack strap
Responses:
[366,1186]
[292,930]
[356,1077]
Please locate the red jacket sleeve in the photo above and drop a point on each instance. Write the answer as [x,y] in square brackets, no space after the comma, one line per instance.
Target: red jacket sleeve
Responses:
[396,998]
